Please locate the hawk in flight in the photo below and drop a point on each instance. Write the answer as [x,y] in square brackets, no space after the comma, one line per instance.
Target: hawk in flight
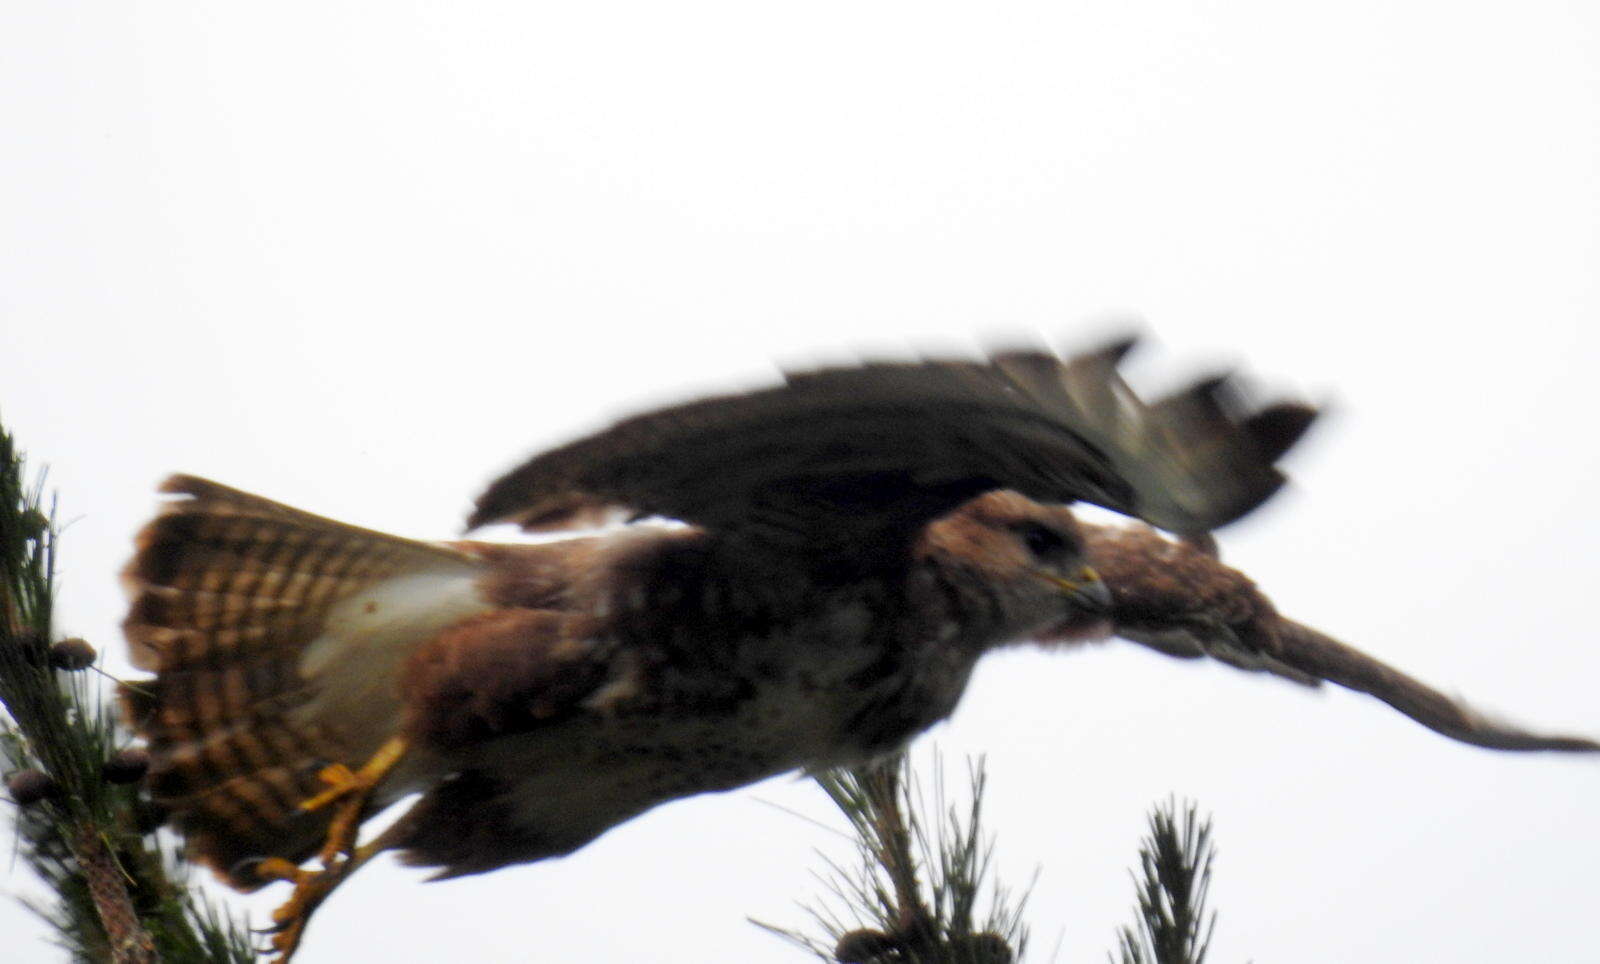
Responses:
[853,541]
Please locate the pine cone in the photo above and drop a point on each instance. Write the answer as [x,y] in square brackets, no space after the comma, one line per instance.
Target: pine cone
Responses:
[126,766]
[72,654]
[866,947]
[30,786]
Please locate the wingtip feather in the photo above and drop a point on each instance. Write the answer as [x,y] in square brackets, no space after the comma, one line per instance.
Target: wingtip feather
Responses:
[1278,427]
[1119,347]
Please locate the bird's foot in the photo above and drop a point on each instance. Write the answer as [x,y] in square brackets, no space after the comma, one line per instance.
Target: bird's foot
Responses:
[344,782]
[350,791]
[311,888]
[289,920]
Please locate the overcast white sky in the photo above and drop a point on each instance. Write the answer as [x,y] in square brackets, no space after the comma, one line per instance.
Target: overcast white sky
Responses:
[361,256]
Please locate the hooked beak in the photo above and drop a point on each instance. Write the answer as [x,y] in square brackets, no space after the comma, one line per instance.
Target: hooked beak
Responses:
[1085,588]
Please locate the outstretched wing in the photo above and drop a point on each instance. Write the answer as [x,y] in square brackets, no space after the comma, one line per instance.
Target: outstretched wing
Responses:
[853,461]
[1178,598]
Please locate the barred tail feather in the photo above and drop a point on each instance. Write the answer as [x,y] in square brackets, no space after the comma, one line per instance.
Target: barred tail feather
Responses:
[276,637]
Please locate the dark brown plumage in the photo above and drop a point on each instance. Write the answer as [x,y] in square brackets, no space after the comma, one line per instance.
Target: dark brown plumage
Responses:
[858,538]
[856,460]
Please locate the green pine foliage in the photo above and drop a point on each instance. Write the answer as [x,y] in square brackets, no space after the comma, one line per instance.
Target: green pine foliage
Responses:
[120,895]
[1173,882]
[923,870]
[922,890]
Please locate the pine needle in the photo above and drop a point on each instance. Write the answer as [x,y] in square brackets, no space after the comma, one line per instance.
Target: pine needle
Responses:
[1175,863]
[119,894]
[924,867]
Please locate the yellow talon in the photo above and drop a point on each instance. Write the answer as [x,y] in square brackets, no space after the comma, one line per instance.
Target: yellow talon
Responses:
[344,781]
[341,781]
[340,857]
[276,868]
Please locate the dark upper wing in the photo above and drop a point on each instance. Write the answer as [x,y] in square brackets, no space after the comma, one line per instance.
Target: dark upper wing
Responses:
[1179,599]
[855,460]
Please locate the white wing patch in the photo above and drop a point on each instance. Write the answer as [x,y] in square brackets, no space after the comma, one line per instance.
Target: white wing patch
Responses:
[357,658]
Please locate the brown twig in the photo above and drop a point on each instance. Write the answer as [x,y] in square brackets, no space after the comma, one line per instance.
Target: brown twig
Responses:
[916,925]
[130,942]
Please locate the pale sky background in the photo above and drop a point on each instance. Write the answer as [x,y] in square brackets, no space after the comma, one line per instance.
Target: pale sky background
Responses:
[359,257]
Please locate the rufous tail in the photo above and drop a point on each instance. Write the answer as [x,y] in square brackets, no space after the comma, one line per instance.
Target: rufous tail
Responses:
[276,637]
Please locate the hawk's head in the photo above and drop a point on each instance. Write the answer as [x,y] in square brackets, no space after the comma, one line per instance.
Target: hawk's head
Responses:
[1018,565]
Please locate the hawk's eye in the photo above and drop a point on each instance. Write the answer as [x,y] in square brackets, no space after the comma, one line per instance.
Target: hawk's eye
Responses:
[1042,540]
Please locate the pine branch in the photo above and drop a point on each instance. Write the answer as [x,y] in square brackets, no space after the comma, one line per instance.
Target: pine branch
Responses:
[81,823]
[1175,860]
[913,898]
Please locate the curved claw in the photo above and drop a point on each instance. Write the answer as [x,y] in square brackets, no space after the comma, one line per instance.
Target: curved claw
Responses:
[276,868]
[351,790]
[276,927]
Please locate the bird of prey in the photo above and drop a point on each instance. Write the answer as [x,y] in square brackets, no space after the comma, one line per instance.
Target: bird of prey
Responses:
[853,540]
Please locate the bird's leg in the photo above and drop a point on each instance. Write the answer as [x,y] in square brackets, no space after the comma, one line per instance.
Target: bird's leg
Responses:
[352,791]
[311,888]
